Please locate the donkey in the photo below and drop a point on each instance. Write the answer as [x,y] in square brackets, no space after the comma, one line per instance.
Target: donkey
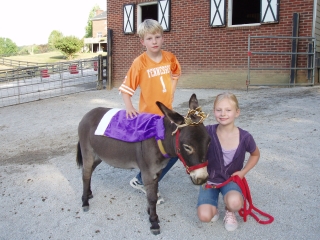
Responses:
[185,137]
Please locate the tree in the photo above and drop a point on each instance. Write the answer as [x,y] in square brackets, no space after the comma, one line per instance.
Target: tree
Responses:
[89,23]
[54,37]
[7,47]
[69,45]
[42,48]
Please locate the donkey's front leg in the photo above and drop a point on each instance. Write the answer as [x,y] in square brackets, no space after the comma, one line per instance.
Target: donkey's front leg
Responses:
[152,196]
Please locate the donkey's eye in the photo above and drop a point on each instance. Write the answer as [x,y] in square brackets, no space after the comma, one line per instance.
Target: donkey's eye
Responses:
[188,149]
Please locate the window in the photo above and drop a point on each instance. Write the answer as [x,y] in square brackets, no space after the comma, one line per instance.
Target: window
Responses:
[149,12]
[158,10]
[243,12]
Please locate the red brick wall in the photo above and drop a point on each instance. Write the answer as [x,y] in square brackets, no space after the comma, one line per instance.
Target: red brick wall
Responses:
[99,26]
[213,57]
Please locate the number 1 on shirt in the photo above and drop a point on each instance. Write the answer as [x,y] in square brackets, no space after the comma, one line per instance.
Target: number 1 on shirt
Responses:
[163,86]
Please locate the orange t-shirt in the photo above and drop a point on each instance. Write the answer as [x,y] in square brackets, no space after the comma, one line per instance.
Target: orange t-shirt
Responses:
[154,79]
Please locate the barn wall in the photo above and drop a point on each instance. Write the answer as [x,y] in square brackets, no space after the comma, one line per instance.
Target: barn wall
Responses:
[214,57]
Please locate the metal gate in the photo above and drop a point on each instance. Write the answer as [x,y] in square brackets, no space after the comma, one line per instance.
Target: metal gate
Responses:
[280,56]
[28,82]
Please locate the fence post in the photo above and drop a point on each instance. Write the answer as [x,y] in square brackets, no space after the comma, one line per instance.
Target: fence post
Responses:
[109,42]
[61,83]
[294,49]
[80,65]
[18,90]
[60,69]
[100,73]
[249,55]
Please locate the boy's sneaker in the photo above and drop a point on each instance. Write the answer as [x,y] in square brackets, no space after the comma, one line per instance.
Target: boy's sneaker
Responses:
[160,199]
[215,217]
[230,221]
[138,185]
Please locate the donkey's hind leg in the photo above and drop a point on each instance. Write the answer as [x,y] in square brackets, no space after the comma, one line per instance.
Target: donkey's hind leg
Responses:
[96,162]
[88,167]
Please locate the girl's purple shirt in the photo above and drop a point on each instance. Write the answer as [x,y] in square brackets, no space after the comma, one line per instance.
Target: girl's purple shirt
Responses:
[218,172]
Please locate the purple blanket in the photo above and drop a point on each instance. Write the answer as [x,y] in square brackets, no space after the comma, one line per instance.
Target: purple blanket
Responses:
[139,128]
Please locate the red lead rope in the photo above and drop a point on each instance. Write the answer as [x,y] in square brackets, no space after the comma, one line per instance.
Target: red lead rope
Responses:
[244,212]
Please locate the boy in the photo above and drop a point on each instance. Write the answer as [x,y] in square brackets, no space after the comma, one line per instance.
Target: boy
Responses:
[156,72]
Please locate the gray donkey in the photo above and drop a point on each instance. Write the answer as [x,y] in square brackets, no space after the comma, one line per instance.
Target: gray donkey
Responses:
[185,137]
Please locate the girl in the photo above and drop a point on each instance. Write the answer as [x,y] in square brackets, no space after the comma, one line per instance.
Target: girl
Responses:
[226,156]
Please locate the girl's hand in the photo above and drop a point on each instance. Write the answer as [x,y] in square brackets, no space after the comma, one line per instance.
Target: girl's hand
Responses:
[239,173]
[252,161]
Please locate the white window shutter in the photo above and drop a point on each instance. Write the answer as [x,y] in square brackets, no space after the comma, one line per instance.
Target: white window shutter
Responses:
[128,18]
[164,14]
[217,13]
[269,11]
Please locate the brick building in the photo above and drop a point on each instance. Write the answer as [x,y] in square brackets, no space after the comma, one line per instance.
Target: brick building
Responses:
[211,40]
[98,42]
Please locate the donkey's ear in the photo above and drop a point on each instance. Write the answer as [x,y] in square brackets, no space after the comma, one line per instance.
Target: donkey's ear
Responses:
[193,102]
[172,115]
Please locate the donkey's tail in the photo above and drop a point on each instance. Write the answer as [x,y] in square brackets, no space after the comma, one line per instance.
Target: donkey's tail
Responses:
[79,155]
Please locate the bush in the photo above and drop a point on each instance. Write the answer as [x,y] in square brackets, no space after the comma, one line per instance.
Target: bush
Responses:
[69,46]
[8,47]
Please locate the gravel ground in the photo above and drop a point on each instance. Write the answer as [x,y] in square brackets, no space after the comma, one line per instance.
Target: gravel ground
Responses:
[41,185]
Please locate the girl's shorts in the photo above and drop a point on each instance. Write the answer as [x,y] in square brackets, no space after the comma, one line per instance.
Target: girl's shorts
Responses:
[211,195]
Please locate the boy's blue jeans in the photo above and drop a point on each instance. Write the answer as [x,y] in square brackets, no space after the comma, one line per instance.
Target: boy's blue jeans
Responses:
[171,162]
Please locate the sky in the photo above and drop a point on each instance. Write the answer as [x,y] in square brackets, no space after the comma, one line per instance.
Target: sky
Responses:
[32,21]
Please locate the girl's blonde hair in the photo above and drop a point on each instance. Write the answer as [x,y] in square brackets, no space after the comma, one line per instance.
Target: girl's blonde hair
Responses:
[149,26]
[227,95]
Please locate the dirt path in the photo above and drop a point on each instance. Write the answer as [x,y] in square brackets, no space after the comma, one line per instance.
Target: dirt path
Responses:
[41,184]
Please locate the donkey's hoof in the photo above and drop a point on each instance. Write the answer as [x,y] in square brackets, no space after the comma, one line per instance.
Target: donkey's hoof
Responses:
[155,228]
[155,231]
[85,208]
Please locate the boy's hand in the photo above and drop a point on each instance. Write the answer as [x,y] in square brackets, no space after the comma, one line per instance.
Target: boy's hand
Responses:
[131,112]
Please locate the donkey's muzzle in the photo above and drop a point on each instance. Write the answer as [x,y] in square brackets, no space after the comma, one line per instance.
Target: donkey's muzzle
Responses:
[199,176]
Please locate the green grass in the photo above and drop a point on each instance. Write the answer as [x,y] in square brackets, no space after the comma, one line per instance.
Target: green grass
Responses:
[52,57]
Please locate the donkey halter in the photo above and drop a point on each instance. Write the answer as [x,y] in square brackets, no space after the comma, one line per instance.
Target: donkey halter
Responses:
[189,122]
